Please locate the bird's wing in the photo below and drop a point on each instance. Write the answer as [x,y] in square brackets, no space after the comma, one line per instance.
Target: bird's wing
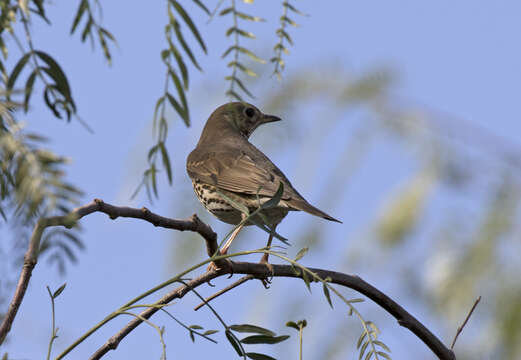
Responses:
[238,172]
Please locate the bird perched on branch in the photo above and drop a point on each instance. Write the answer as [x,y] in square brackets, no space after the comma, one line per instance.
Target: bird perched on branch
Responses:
[232,178]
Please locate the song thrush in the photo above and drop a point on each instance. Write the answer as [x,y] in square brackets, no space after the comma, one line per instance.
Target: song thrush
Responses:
[225,166]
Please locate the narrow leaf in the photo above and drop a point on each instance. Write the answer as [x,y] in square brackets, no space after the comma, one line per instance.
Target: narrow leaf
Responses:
[248,328]
[79,13]
[233,340]
[168,167]
[301,253]
[185,46]
[248,17]
[59,291]
[263,339]
[326,294]
[384,355]
[274,201]
[189,22]
[293,325]
[17,70]
[202,6]
[29,89]
[257,356]
[210,332]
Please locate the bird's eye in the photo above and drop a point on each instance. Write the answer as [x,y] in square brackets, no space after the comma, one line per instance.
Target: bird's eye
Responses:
[249,112]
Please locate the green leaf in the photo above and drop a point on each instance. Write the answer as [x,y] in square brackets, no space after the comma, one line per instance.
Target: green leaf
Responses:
[104,45]
[241,32]
[189,22]
[294,9]
[362,350]
[51,105]
[326,294]
[357,300]
[181,64]
[234,95]
[248,328]
[178,108]
[86,30]
[293,325]
[301,253]
[202,6]
[226,11]
[282,48]
[288,20]
[184,45]
[250,54]
[3,48]
[192,337]
[369,354]
[181,93]
[233,47]
[166,164]
[257,356]
[152,151]
[29,89]
[248,17]
[274,201]
[196,327]
[361,340]
[243,68]
[237,81]
[381,344]
[305,277]
[54,70]
[233,340]
[210,332]
[16,71]
[59,291]
[384,355]
[280,32]
[263,339]
[373,326]
[79,13]
[159,102]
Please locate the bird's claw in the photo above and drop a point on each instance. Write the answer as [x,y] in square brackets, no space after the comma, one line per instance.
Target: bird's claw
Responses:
[266,281]
[222,264]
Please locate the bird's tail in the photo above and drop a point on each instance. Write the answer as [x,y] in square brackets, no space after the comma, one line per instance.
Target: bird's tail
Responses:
[307,207]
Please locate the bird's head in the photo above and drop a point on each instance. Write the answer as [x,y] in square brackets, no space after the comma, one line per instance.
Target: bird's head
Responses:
[239,117]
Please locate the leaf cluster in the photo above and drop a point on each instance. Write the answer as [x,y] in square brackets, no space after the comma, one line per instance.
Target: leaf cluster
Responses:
[175,58]
[261,336]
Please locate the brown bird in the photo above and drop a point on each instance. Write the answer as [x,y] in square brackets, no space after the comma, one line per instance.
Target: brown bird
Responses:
[228,173]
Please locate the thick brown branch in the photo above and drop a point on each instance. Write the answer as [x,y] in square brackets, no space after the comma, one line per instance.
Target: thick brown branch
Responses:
[31,255]
[260,270]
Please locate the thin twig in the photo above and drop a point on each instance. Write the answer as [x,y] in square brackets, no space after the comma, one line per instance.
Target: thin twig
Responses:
[460,329]
[69,220]
[224,290]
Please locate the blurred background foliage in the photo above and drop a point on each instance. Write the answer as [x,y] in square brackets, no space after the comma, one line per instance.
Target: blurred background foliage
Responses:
[439,226]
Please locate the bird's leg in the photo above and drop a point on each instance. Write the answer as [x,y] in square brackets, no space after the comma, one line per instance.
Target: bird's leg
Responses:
[265,256]
[264,259]
[226,246]
[224,249]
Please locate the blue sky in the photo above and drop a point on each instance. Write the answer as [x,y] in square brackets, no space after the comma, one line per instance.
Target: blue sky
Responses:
[461,58]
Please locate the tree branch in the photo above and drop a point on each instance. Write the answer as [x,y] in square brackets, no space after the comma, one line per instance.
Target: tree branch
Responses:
[260,271]
[69,220]
[194,224]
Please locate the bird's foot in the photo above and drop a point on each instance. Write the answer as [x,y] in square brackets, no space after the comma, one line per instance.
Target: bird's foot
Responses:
[222,264]
[266,281]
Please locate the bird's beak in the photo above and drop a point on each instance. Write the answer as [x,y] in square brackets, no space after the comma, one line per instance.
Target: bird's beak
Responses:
[269,118]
